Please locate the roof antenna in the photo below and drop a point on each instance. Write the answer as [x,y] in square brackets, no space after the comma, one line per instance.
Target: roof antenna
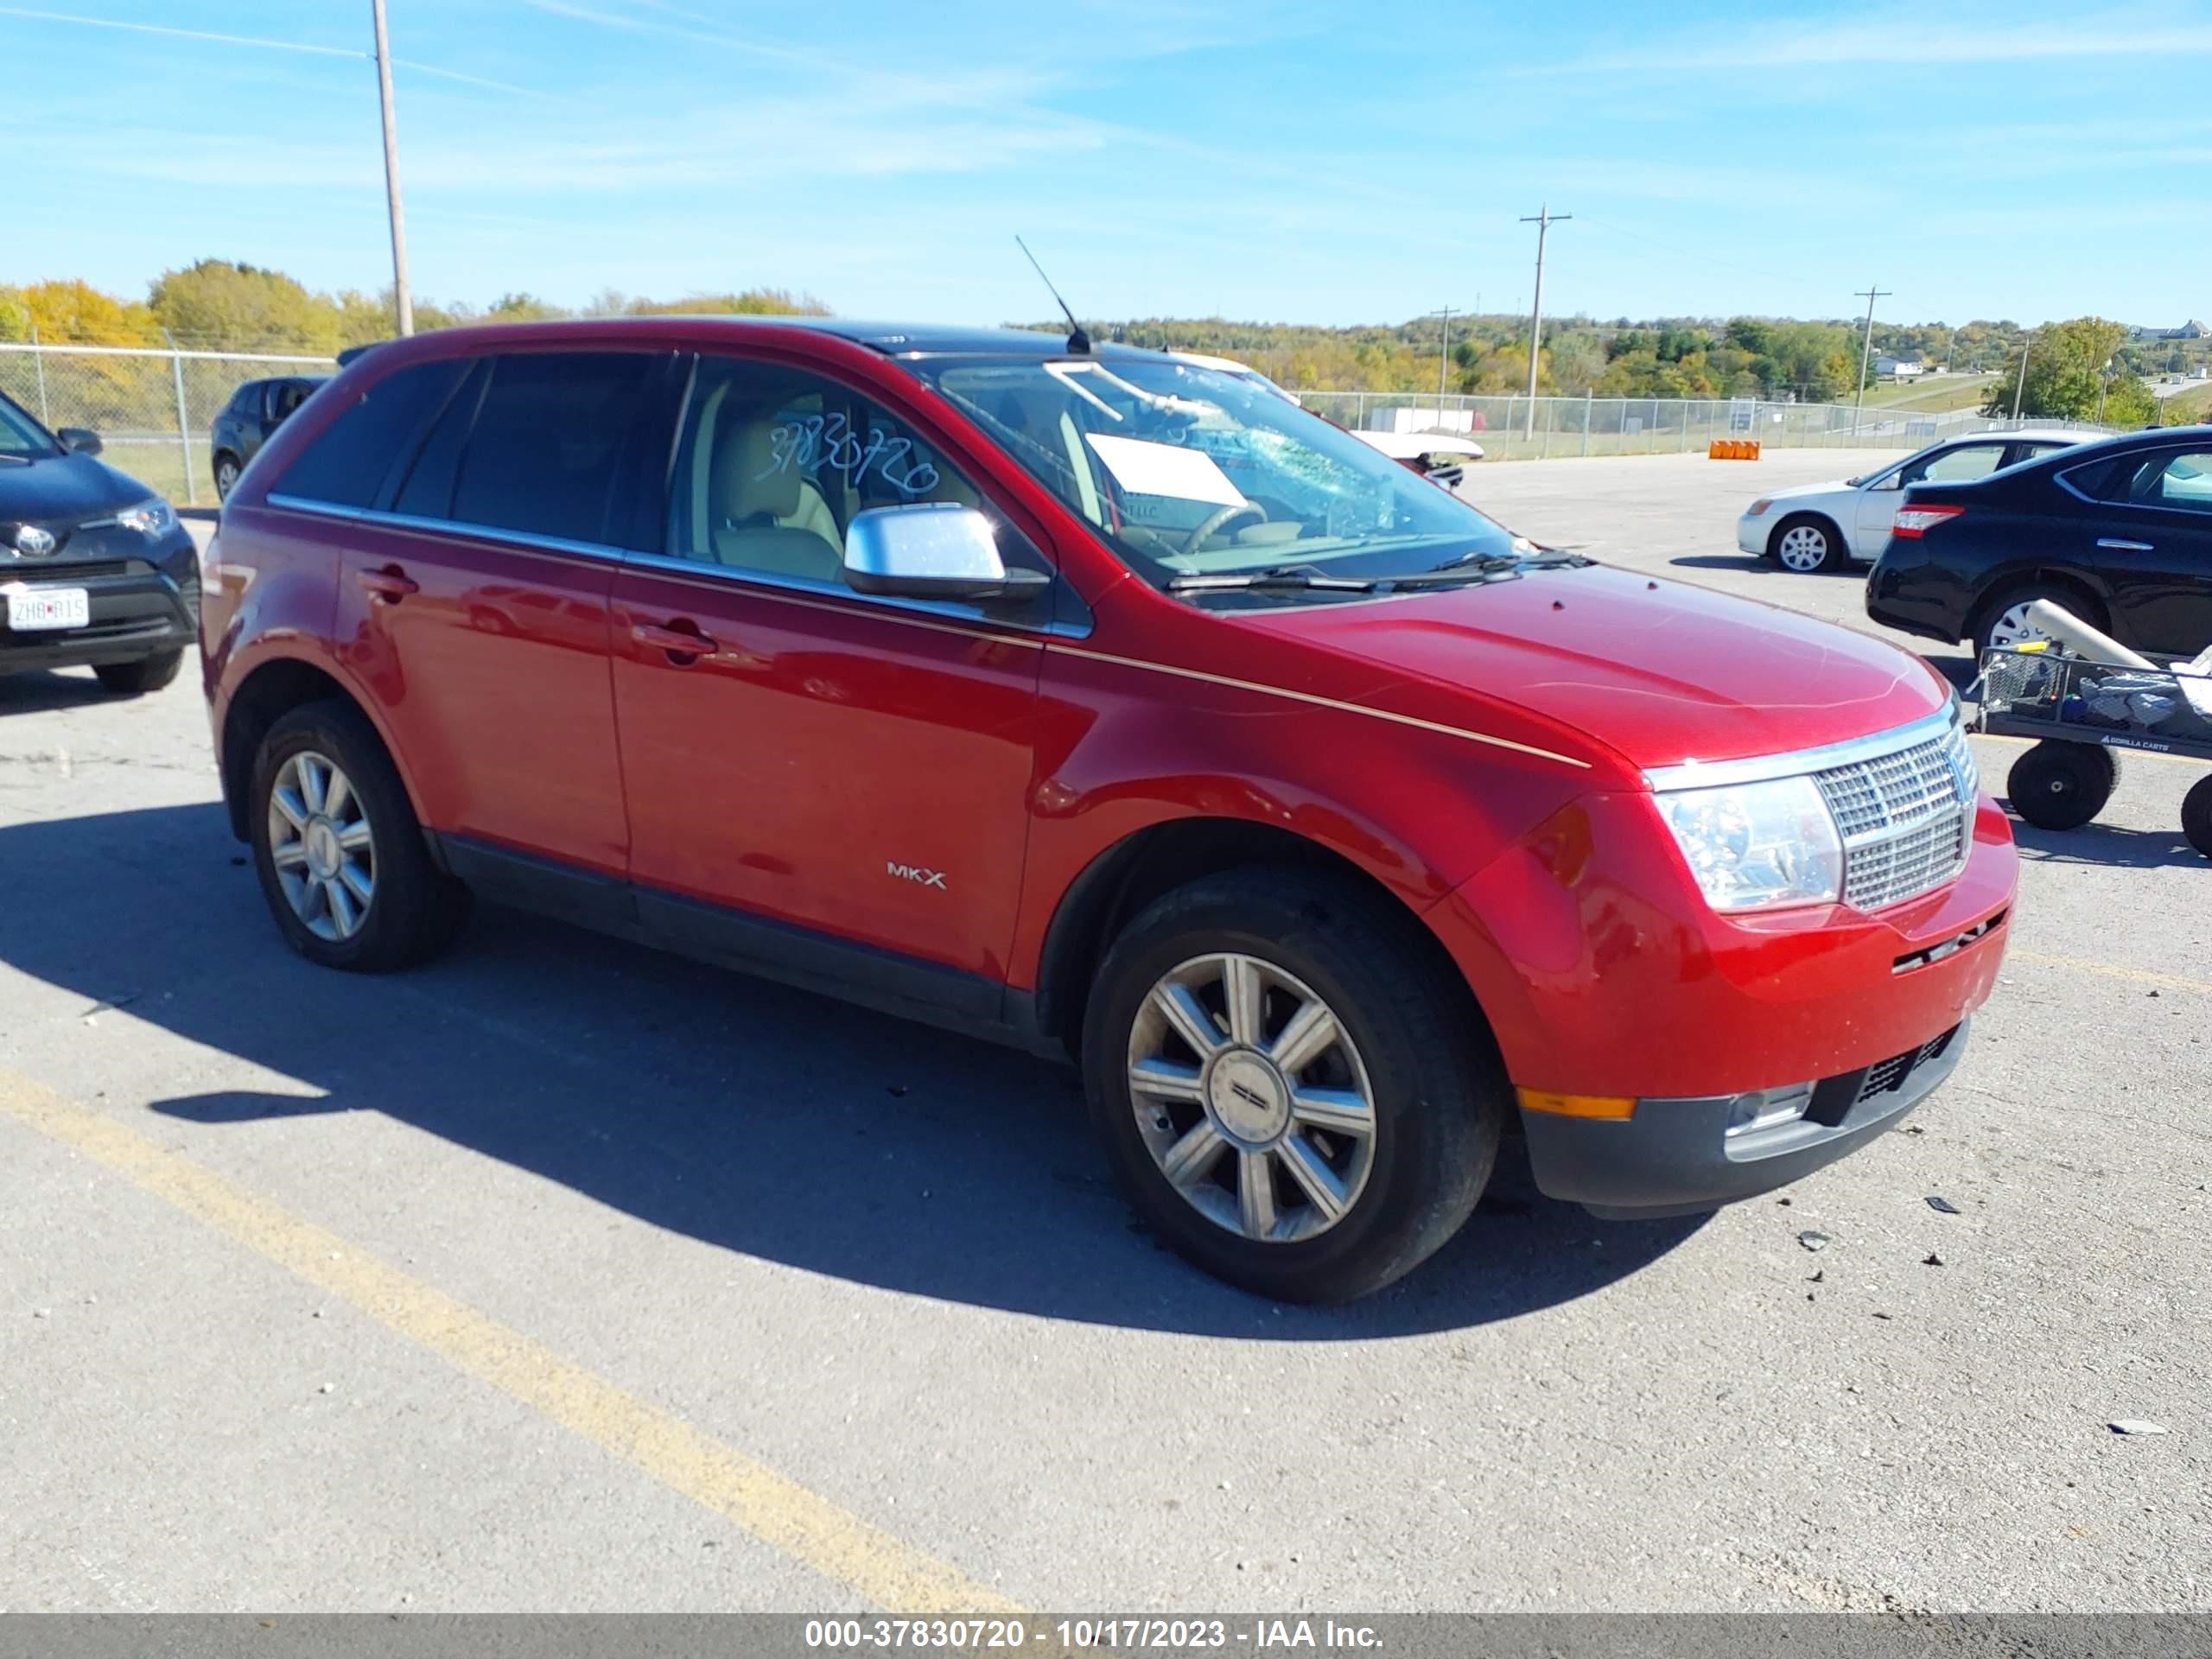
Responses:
[1077,340]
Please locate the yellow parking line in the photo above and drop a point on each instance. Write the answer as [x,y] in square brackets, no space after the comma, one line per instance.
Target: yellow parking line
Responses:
[779,1511]
[2114,970]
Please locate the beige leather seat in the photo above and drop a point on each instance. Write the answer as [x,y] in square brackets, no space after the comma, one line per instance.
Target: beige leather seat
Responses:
[766,515]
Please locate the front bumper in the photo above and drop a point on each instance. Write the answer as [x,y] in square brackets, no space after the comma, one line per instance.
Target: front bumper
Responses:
[141,605]
[1752,533]
[1675,1156]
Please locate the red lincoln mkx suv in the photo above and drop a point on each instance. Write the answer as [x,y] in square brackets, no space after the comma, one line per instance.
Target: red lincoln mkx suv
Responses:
[1112,706]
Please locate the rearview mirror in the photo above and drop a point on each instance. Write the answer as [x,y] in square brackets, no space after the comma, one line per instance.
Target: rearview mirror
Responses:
[932,549]
[79,440]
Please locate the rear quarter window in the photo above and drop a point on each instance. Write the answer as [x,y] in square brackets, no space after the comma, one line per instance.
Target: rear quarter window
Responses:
[347,463]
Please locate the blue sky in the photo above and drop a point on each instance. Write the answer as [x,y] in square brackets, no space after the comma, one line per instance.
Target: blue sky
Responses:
[1322,162]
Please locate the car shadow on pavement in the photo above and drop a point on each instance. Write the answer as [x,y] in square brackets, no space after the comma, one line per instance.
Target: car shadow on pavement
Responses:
[2106,845]
[759,1119]
[37,693]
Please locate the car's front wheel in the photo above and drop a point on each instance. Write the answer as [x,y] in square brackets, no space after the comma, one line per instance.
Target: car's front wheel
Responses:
[147,674]
[1806,545]
[227,476]
[1289,1085]
[341,858]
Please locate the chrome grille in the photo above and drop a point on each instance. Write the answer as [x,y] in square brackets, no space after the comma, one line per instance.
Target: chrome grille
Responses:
[1905,817]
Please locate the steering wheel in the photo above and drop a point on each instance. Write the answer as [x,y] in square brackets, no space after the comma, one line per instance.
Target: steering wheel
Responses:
[1219,517]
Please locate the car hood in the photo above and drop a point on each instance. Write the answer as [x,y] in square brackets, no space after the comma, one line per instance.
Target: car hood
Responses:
[1801,491]
[64,490]
[1659,671]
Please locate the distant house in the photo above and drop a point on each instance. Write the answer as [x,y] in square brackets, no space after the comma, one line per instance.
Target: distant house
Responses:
[1902,367]
[2190,330]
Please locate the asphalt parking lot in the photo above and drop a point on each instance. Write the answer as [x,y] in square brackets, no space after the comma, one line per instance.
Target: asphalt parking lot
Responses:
[563,1277]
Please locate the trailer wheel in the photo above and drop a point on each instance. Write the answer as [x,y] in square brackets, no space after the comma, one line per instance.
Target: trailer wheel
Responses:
[2062,785]
[2197,815]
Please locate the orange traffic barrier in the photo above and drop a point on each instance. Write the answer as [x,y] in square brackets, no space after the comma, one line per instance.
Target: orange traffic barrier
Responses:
[1732,449]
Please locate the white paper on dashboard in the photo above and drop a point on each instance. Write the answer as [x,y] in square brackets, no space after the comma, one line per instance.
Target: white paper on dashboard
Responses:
[1147,468]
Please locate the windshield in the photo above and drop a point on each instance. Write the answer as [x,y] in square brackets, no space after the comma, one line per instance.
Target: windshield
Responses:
[22,438]
[1188,471]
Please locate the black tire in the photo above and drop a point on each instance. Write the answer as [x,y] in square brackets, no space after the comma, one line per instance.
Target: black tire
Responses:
[1440,1097]
[2062,785]
[2197,815]
[416,910]
[224,486]
[1986,618]
[1832,552]
[147,674]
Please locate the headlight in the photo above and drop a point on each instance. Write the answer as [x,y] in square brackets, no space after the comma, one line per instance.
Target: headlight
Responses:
[1759,506]
[1758,845]
[152,519]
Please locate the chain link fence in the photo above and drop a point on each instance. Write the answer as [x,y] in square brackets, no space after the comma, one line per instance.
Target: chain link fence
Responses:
[153,410]
[1521,429]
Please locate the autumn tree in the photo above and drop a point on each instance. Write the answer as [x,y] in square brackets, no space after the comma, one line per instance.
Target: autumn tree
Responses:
[220,304]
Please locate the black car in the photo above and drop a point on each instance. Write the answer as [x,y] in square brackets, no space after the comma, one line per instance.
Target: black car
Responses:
[2119,532]
[96,570]
[256,409]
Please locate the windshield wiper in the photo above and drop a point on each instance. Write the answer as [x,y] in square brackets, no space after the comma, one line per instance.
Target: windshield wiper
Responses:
[1283,578]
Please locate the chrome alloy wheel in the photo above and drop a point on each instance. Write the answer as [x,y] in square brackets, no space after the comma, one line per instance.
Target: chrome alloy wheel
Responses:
[2013,628]
[322,846]
[1251,1098]
[1803,548]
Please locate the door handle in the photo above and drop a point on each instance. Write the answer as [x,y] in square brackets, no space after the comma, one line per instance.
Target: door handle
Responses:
[687,643]
[2120,546]
[389,584]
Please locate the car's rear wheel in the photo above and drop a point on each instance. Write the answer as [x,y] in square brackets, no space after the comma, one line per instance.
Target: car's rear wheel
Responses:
[147,674]
[227,475]
[341,858]
[1806,545]
[1288,1085]
[2062,785]
[2004,620]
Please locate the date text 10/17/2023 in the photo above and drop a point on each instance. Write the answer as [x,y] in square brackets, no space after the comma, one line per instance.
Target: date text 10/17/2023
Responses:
[1112,1635]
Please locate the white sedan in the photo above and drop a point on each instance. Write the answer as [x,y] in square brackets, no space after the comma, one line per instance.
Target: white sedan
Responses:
[1821,527]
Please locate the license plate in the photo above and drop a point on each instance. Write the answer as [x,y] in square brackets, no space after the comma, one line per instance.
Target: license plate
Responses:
[48,607]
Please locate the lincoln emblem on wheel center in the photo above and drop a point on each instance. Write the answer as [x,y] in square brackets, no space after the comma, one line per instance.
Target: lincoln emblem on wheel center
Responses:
[1328,826]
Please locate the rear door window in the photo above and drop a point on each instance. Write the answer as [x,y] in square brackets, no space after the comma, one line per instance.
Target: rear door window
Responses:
[348,462]
[2180,479]
[1954,466]
[548,443]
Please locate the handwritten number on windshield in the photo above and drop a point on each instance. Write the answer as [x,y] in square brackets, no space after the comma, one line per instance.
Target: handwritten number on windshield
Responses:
[830,443]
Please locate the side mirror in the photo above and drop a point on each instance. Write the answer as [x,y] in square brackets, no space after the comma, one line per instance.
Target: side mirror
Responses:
[932,549]
[79,440]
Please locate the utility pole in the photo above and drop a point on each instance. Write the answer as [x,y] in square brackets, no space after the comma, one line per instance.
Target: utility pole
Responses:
[402,300]
[1543,219]
[1443,357]
[1870,294]
[2027,343]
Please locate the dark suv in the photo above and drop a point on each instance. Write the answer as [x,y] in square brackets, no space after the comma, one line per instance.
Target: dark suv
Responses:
[95,570]
[256,409]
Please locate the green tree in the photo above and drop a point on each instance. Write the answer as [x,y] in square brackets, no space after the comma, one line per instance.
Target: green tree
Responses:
[15,313]
[2066,371]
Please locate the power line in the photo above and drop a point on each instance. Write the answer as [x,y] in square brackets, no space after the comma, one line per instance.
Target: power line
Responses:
[261,41]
